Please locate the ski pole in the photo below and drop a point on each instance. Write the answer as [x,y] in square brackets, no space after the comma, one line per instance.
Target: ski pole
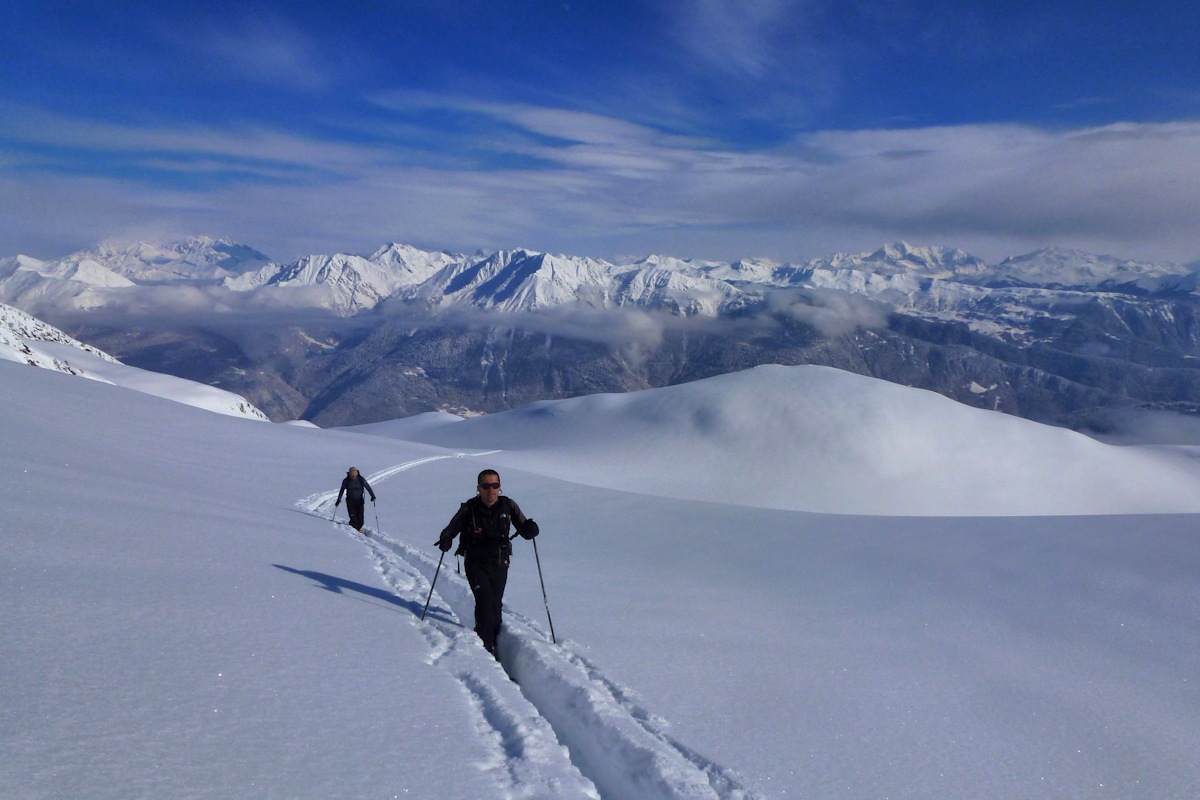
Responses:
[376,516]
[543,583]
[431,583]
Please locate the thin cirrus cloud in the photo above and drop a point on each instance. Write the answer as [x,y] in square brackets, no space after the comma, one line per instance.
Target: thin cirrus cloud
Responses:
[732,37]
[778,128]
[257,49]
[187,146]
[1133,181]
[998,189]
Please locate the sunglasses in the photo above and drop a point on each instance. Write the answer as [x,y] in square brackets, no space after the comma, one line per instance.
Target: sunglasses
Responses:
[495,485]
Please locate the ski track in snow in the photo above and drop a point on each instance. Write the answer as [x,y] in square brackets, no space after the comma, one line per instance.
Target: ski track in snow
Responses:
[552,704]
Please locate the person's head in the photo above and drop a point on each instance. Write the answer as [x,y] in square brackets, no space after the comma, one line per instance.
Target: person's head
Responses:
[488,486]
[352,472]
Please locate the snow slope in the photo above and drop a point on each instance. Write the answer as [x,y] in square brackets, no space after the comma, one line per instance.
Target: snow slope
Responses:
[818,439]
[180,617]
[170,387]
[26,339]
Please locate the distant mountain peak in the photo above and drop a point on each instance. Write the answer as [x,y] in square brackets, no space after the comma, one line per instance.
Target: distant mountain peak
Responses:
[200,258]
[900,249]
[1068,267]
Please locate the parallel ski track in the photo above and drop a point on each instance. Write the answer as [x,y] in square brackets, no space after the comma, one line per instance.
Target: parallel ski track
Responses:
[614,742]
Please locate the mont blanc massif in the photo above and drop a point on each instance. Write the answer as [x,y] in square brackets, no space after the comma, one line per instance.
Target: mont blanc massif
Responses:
[1059,336]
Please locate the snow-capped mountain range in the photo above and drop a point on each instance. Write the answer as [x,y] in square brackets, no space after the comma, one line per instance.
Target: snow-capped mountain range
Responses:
[1052,335]
[935,282]
[352,283]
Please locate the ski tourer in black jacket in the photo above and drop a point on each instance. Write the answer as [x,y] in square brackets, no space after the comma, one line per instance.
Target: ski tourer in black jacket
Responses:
[484,543]
[353,486]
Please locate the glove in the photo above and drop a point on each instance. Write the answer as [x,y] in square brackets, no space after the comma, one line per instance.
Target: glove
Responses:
[372,501]
[338,503]
[529,529]
[445,542]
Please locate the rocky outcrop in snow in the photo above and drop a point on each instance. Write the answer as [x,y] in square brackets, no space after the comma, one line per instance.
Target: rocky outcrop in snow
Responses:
[22,337]
[26,339]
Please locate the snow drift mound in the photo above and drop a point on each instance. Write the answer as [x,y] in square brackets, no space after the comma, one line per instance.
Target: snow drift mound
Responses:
[818,439]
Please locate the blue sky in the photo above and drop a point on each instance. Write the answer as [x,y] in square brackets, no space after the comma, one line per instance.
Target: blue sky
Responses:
[693,128]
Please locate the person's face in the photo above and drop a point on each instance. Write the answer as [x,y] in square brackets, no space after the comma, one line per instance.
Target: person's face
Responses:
[489,489]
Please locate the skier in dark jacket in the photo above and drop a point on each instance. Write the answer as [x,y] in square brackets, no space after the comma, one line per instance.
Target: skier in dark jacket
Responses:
[353,486]
[484,522]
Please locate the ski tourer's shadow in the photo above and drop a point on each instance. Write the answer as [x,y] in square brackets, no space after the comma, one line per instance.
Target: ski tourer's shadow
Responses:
[342,586]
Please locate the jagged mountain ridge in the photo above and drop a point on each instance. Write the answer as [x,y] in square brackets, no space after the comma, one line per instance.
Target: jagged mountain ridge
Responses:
[1052,335]
[524,280]
[352,283]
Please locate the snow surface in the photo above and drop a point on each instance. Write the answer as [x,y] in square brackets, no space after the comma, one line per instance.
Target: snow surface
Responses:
[166,386]
[23,338]
[819,439]
[27,340]
[179,616]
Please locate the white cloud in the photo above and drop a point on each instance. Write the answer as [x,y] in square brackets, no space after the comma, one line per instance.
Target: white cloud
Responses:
[221,145]
[735,36]
[610,186]
[261,49]
[831,312]
[1123,183]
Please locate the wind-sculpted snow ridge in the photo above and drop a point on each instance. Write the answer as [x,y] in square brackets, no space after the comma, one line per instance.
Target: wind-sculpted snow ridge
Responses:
[555,699]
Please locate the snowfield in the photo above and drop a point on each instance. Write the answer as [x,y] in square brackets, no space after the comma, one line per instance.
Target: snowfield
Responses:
[820,439]
[182,616]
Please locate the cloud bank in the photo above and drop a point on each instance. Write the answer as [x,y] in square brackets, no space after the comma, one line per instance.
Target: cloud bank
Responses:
[567,181]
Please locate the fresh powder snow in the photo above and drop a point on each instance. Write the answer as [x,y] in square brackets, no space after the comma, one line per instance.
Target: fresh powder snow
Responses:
[786,582]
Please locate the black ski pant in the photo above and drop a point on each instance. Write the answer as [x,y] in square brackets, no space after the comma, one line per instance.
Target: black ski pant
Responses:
[487,579]
[355,509]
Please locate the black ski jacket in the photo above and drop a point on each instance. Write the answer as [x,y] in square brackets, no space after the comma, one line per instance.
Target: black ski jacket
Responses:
[484,531]
[353,489]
